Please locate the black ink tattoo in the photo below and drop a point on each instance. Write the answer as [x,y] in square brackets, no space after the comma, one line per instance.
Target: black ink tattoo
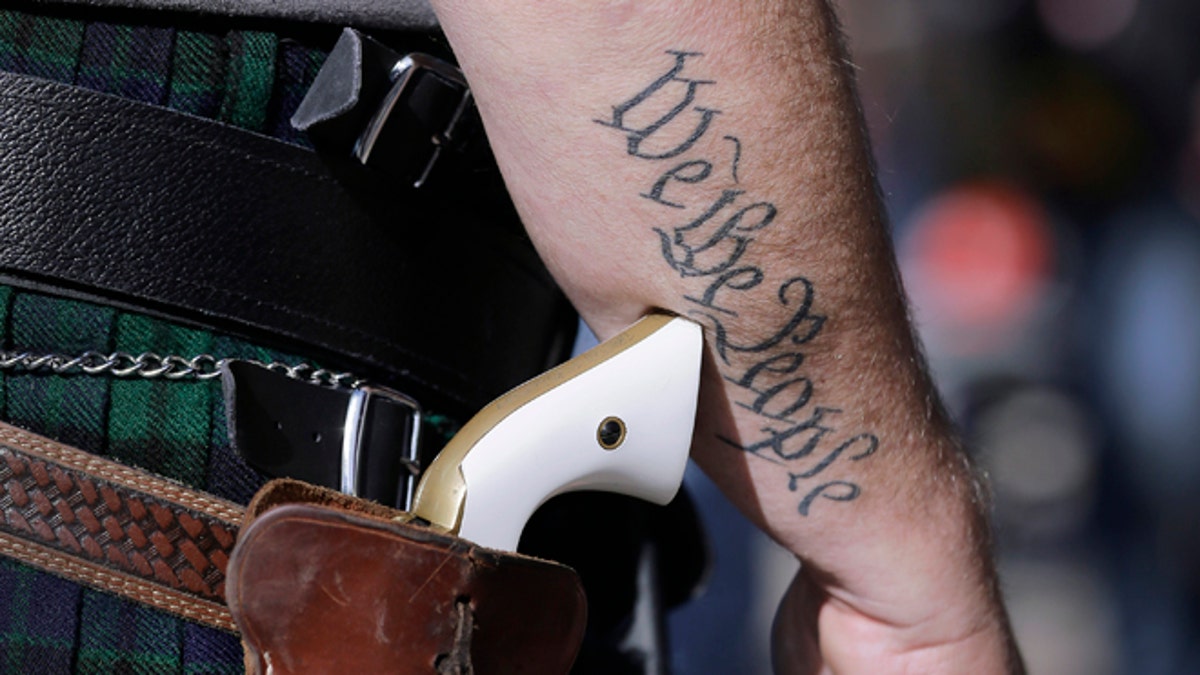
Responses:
[740,279]
[681,174]
[636,136]
[796,441]
[801,318]
[667,120]
[737,156]
[849,493]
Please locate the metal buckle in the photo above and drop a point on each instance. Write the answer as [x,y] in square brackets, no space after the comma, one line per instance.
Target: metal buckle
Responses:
[354,466]
[363,440]
[406,74]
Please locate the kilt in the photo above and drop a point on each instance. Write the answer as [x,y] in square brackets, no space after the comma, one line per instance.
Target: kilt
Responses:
[246,78]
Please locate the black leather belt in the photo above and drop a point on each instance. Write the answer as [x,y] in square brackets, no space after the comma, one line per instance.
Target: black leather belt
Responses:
[425,291]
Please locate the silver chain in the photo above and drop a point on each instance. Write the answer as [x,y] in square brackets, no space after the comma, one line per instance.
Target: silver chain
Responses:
[150,366]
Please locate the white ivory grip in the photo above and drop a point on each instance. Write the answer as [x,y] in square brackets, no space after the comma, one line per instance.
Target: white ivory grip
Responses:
[618,418]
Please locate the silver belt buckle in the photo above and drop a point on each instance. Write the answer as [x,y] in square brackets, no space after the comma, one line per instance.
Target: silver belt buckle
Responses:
[360,424]
[361,439]
[408,73]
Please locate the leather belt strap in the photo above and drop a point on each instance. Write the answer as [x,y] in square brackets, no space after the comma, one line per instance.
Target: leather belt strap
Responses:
[201,222]
[115,528]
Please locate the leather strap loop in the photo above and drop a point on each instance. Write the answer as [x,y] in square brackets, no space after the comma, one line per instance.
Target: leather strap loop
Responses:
[433,294]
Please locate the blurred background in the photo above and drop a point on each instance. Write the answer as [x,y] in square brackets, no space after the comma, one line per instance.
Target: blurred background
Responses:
[1040,161]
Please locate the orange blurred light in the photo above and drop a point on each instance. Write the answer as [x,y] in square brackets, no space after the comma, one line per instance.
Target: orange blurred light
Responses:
[978,255]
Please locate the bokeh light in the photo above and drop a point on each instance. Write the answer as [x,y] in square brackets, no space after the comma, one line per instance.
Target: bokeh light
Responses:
[976,259]
[1086,24]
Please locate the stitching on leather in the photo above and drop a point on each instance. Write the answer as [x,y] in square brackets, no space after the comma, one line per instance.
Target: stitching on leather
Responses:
[258,302]
[188,140]
[368,337]
[458,660]
[132,484]
[87,274]
[115,472]
[148,592]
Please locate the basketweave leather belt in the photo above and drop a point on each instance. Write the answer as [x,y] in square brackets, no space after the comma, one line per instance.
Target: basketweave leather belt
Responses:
[114,527]
[438,296]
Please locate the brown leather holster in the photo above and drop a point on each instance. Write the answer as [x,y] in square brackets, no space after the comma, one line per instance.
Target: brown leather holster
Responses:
[323,583]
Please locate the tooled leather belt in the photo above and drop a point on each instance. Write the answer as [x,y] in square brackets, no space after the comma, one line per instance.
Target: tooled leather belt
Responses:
[170,214]
[114,527]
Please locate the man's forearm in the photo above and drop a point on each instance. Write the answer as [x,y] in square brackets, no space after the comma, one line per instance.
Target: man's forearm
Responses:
[708,158]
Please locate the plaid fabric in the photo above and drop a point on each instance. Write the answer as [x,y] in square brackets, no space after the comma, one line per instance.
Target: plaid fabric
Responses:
[176,429]
[253,80]
[249,79]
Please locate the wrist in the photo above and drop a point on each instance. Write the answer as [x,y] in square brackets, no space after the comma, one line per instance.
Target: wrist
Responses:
[817,632]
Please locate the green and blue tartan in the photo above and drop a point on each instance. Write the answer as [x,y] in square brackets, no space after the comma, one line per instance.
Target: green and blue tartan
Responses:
[253,80]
